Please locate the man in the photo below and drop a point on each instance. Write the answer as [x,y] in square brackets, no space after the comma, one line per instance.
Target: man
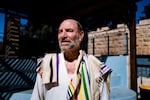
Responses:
[71,74]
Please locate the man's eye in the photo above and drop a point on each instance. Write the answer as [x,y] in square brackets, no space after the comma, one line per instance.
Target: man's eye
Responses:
[69,30]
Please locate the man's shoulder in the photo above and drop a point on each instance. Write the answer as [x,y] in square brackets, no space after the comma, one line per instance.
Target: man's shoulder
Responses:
[94,59]
[50,54]
[45,59]
[45,63]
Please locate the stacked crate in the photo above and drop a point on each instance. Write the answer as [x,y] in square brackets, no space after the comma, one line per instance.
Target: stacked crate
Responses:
[12,36]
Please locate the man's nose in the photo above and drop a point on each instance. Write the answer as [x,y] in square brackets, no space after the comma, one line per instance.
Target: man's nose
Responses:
[64,33]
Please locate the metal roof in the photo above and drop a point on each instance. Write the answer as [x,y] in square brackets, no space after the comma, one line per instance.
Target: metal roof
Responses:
[52,11]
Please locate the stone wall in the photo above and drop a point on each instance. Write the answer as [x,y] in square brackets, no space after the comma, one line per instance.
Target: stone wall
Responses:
[105,41]
[143,37]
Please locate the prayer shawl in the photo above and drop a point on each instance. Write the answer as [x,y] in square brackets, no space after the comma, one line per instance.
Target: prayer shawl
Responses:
[88,84]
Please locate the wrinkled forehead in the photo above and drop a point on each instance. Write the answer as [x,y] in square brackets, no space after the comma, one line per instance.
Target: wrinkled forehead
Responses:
[69,23]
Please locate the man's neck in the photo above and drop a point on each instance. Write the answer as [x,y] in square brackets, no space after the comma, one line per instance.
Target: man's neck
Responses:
[71,54]
[71,66]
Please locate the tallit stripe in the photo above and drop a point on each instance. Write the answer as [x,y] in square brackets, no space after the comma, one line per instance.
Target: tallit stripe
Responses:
[51,68]
[85,80]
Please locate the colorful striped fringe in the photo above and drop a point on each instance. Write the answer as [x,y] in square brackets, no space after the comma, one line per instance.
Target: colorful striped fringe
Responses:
[79,87]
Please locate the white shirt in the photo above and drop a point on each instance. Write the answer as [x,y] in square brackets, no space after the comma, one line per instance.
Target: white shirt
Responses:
[60,92]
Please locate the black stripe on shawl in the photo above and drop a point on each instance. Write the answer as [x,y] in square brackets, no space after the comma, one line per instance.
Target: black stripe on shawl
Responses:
[51,68]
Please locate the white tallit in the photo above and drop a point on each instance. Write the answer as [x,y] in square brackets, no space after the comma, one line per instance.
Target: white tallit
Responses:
[98,87]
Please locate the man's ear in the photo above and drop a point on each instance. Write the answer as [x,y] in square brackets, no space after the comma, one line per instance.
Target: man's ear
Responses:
[81,35]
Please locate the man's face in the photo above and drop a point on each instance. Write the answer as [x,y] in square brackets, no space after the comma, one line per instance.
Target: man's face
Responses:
[68,35]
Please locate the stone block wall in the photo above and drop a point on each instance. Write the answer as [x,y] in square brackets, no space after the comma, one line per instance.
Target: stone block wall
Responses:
[143,37]
[105,41]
